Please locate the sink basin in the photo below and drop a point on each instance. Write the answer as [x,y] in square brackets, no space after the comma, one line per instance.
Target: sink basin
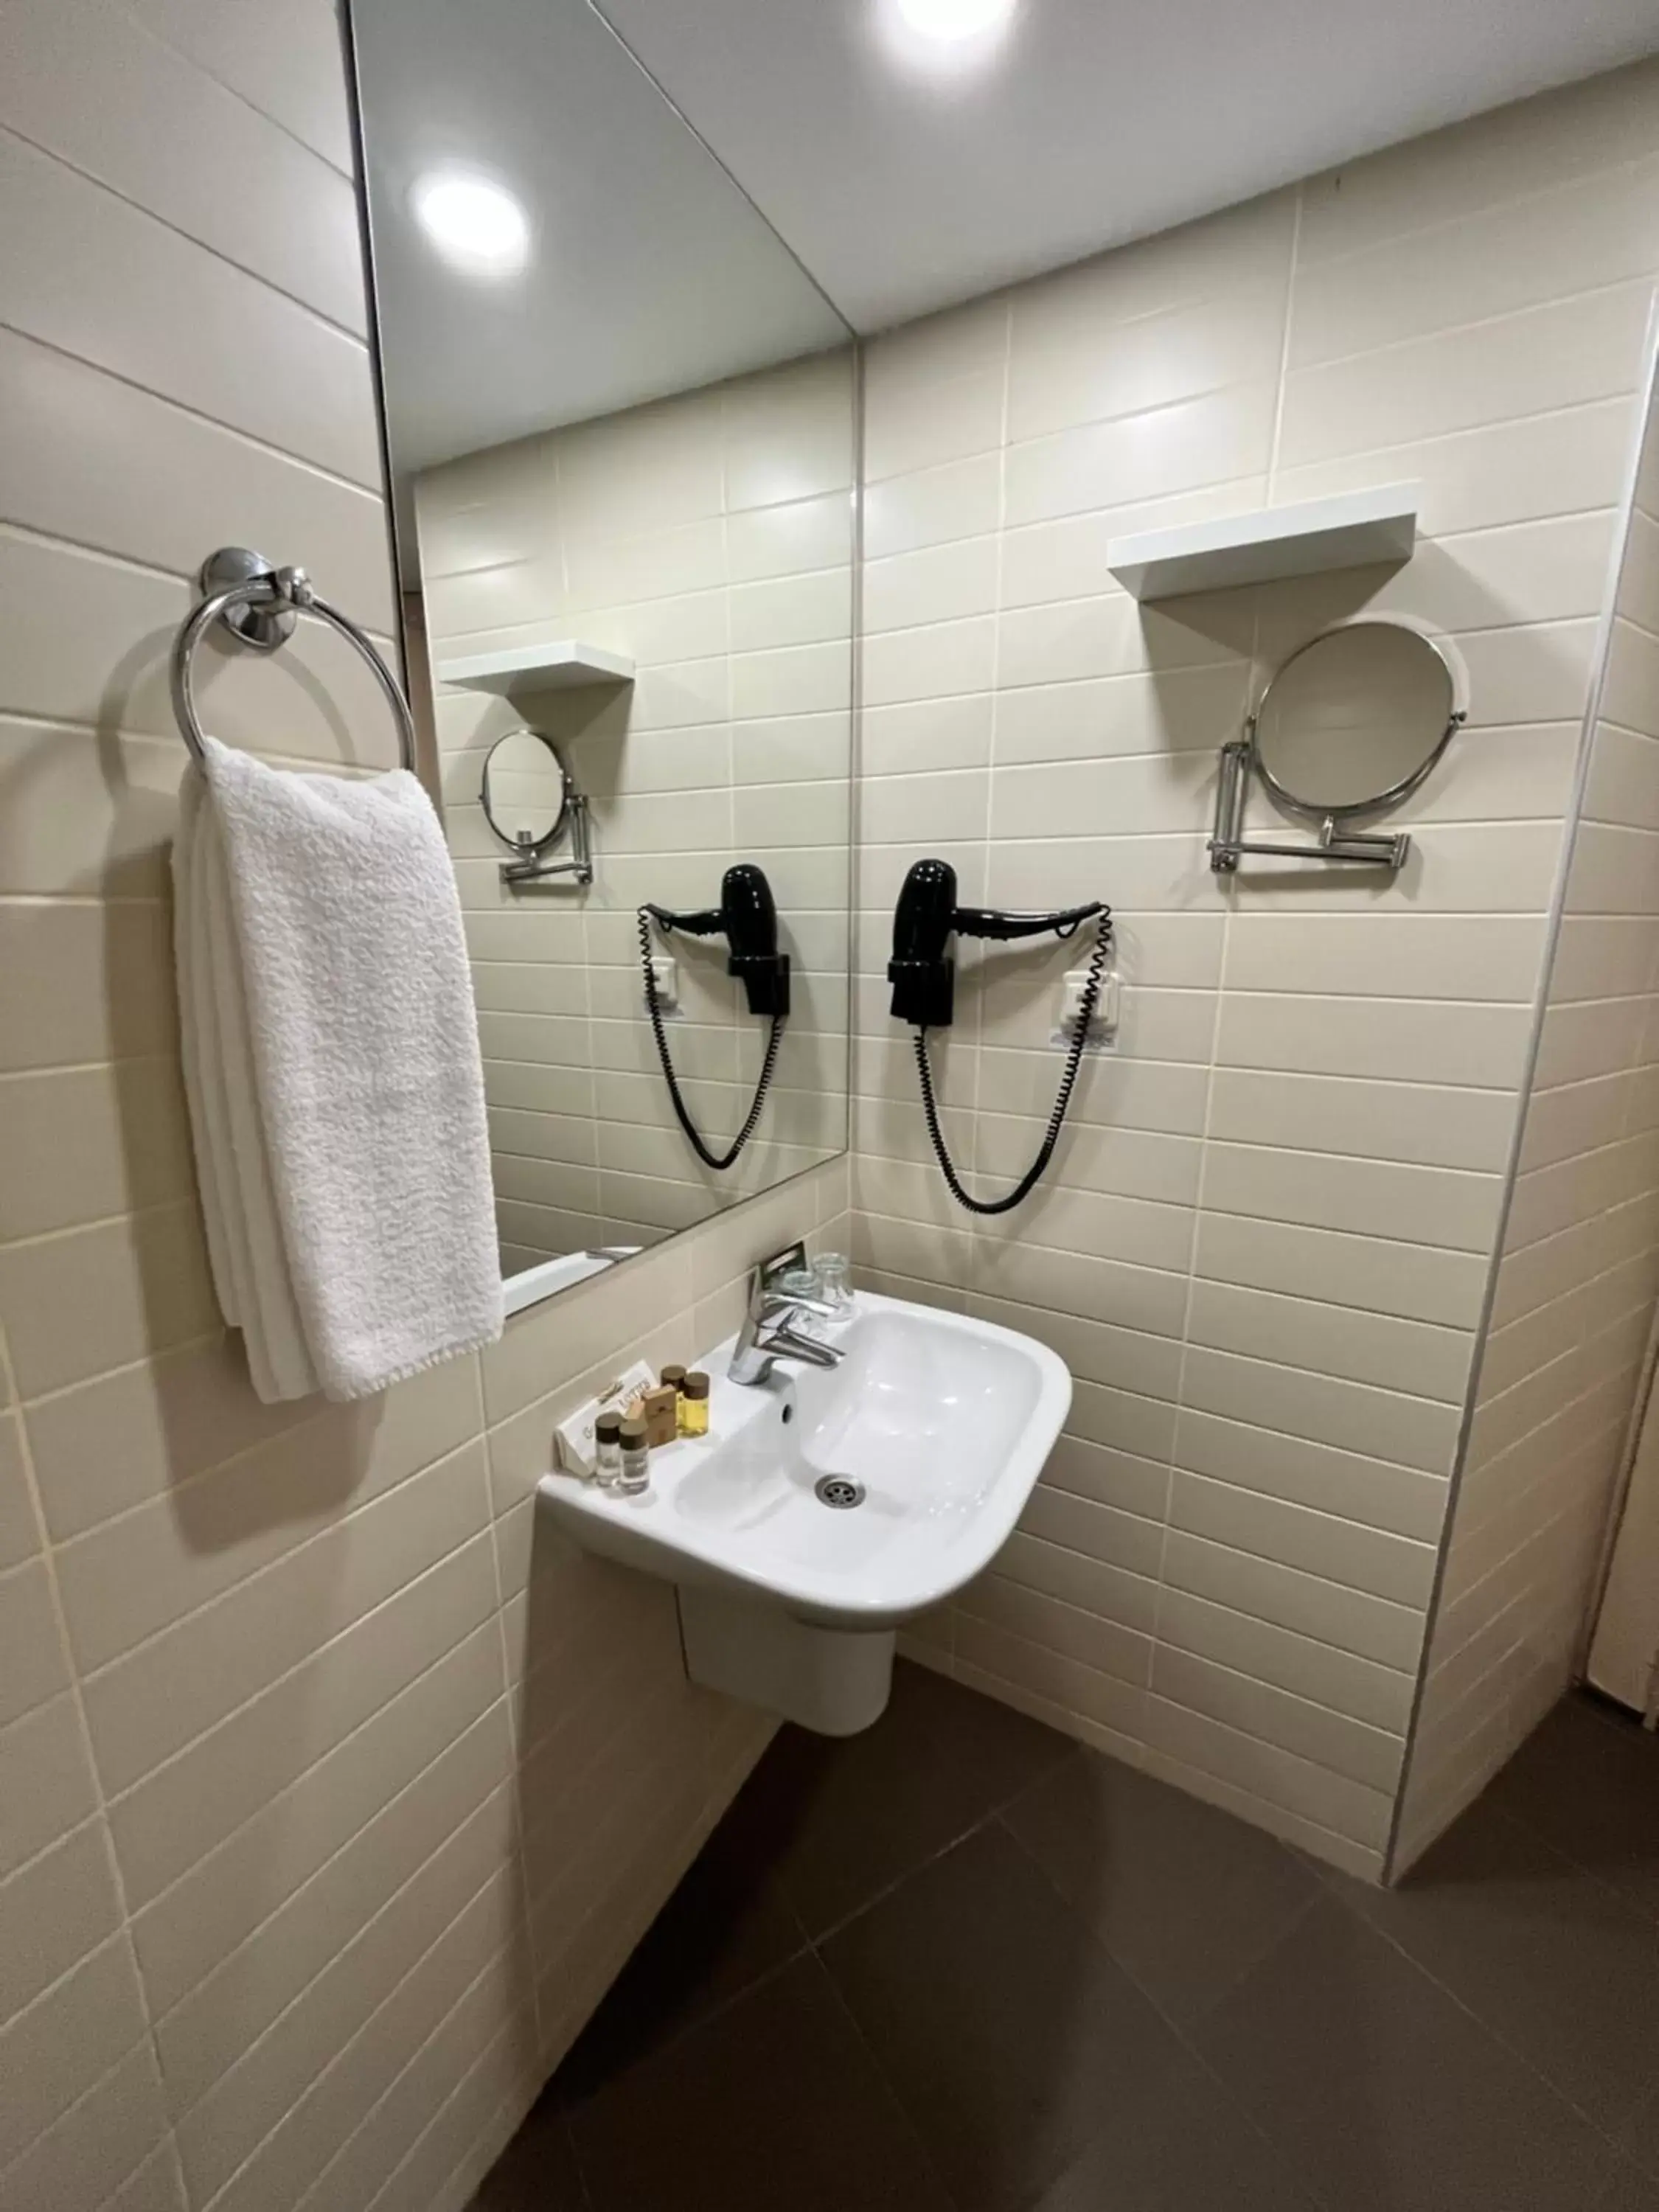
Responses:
[827,1506]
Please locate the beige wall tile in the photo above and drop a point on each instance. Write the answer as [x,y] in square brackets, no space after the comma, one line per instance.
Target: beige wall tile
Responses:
[188,1927]
[1309,1668]
[320,410]
[1416,1282]
[1251,1762]
[1555,355]
[103,2149]
[124,1581]
[1571,1319]
[202,2037]
[87,1143]
[31,1665]
[49,1782]
[74,827]
[376,1673]
[84,984]
[72,2034]
[55,1911]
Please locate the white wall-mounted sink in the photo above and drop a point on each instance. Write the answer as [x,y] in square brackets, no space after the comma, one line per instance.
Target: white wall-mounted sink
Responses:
[939,1423]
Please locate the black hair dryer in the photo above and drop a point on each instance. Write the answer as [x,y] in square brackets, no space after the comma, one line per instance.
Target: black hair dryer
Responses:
[924,992]
[925,917]
[748,919]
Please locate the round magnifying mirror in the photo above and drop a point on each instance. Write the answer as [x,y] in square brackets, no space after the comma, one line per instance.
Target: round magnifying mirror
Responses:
[525,790]
[1355,719]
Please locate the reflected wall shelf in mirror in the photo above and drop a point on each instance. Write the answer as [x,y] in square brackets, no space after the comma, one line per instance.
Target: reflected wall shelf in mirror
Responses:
[558,664]
[1355,530]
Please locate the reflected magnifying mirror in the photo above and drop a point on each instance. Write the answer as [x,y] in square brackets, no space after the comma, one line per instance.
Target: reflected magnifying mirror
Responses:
[1349,724]
[528,796]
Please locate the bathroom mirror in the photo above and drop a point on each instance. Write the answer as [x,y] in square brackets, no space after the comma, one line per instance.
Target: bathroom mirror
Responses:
[1354,719]
[621,426]
[524,789]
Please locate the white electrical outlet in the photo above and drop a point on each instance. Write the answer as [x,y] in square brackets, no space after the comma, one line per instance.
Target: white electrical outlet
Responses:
[1103,1028]
[665,974]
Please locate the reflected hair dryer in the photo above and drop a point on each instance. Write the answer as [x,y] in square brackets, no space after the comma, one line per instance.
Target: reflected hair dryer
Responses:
[927,915]
[747,917]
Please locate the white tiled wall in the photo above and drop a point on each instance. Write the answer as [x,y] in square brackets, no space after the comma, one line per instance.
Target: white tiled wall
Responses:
[709,537]
[331,1793]
[1575,1287]
[1266,1243]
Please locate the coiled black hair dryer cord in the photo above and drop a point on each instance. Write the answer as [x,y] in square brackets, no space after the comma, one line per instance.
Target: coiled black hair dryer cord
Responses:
[1028,1182]
[719,1161]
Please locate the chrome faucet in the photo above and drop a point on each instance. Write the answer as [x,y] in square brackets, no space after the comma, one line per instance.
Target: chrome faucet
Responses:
[769,1331]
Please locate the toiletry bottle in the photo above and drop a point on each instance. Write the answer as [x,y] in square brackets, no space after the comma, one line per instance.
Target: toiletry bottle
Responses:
[659,1409]
[636,1474]
[607,1451]
[673,1378]
[694,1404]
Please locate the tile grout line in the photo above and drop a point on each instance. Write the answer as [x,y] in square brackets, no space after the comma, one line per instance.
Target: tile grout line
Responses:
[1182,2034]
[509,1700]
[1446,1990]
[124,1931]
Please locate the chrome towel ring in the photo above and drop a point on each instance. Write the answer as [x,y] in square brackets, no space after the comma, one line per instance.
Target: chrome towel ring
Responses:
[259,603]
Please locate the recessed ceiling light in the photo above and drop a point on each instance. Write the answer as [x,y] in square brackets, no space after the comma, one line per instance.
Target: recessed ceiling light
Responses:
[951,21]
[476,226]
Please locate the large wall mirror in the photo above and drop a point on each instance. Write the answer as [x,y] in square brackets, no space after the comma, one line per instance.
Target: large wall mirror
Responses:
[622,424]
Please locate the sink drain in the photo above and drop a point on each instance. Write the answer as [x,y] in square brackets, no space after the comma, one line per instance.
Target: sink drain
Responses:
[839,1491]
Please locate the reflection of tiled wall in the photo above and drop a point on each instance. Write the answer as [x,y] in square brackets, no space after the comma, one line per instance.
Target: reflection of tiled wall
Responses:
[1264,1247]
[1581,1256]
[331,1792]
[710,537]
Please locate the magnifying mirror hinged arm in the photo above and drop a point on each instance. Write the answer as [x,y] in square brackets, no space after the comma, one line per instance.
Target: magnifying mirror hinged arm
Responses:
[534,869]
[1228,845]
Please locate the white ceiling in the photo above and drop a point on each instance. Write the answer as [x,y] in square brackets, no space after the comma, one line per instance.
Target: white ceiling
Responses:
[895,189]
[1098,121]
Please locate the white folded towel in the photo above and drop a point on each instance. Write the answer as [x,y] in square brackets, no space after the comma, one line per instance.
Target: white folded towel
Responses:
[331,1064]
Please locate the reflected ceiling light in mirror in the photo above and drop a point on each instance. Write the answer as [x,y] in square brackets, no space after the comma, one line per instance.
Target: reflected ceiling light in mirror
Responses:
[476,226]
[945,37]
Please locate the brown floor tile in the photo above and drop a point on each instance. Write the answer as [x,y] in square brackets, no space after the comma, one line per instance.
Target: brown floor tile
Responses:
[537,2171]
[1639,2135]
[1010,2037]
[837,1821]
[1556,1964]
[725,1926]
[1185,1897]
[774,2103]
[1589,1783]
[1203,2156]
[1629,2191]
[1384,2093]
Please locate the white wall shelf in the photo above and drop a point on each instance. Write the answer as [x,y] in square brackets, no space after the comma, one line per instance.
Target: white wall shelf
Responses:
[559,663]
[1349,531]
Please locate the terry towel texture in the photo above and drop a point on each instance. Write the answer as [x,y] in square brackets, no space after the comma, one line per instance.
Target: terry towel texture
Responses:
[330,1056]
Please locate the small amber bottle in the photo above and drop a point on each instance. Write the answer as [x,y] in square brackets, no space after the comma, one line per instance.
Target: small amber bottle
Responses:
[694,1404]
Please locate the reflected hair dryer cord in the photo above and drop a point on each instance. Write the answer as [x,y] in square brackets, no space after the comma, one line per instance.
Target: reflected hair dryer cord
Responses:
[747,917]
